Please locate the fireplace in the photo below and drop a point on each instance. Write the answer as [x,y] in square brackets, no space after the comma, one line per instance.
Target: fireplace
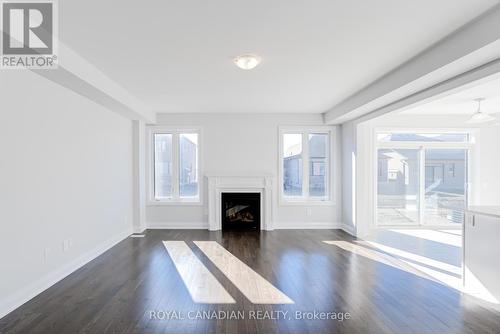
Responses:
[240,211]
[258,184]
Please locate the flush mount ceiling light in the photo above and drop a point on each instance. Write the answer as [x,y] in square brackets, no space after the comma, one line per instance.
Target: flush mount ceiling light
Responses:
[479,116]
[247,62]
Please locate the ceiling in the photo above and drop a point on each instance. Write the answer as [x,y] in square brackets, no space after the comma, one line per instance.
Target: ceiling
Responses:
[462,102]
[176,55]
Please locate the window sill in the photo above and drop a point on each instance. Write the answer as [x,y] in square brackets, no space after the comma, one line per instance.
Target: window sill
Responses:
[196,202]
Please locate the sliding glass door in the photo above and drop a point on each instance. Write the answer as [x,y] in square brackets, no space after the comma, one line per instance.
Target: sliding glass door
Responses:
[398,186]
[421,182]
[445,186]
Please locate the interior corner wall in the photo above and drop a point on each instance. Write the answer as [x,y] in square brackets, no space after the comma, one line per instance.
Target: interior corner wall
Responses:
[246,143]
[139,178]
[357,184]
[65,183]
[365,179]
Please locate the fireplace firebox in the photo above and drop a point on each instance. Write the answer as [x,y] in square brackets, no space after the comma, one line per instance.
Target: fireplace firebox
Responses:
[240,211]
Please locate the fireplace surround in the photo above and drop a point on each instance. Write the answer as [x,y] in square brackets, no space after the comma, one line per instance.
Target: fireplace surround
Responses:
[261,184]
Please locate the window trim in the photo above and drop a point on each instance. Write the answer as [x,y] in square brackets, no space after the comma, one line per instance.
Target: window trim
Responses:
[176,199]
[305,199]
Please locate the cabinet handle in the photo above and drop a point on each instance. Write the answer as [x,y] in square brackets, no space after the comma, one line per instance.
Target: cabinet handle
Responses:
[473,220]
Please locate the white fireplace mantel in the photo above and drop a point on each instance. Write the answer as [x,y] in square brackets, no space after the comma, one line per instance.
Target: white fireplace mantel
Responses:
[227,182]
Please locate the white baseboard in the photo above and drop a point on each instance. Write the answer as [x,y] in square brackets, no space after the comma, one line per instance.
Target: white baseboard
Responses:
[30,291]
[276,226]
[140,229]
[177,225]
[307,226]
[349,229]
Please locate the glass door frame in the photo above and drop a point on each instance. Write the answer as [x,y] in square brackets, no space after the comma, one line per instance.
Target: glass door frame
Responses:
[421,146]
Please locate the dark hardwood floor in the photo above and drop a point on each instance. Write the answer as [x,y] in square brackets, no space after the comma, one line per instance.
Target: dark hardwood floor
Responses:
[117,292]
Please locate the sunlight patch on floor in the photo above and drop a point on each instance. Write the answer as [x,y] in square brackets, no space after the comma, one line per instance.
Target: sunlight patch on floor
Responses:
[256,288]
[378,256]
[439,271]
[455,232]
[201,284]
[476,288]
[204,287]
[444,237]
[418,265]
[413,258]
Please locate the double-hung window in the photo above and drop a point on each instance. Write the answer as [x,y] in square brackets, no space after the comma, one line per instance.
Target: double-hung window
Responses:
[175,165]
[305,165]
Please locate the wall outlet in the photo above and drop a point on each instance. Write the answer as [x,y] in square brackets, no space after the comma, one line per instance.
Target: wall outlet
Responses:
[65,245]
[46,254]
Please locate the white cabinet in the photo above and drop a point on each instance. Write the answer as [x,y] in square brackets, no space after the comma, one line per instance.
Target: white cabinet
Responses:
[482,252]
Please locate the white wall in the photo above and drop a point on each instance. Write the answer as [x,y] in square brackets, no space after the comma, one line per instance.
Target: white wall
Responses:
[139,176]
[349,176]
[244,143]
[65,174]
[357,188]
[488,167]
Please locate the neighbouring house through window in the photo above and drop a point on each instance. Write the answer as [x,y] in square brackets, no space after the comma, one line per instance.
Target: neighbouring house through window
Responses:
[305,165]
[175,165]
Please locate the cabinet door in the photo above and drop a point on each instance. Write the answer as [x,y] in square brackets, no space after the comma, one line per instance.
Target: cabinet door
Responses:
[482,260]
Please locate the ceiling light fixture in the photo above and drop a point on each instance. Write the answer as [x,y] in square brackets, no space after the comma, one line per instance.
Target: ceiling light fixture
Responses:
[247,62]
[479,116]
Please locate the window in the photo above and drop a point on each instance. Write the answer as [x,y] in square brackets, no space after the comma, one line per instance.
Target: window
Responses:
[163,165]
[188,165]
[292,164]
[305,165]
[422,178]
[175,166]
[399,190]
[318,159]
